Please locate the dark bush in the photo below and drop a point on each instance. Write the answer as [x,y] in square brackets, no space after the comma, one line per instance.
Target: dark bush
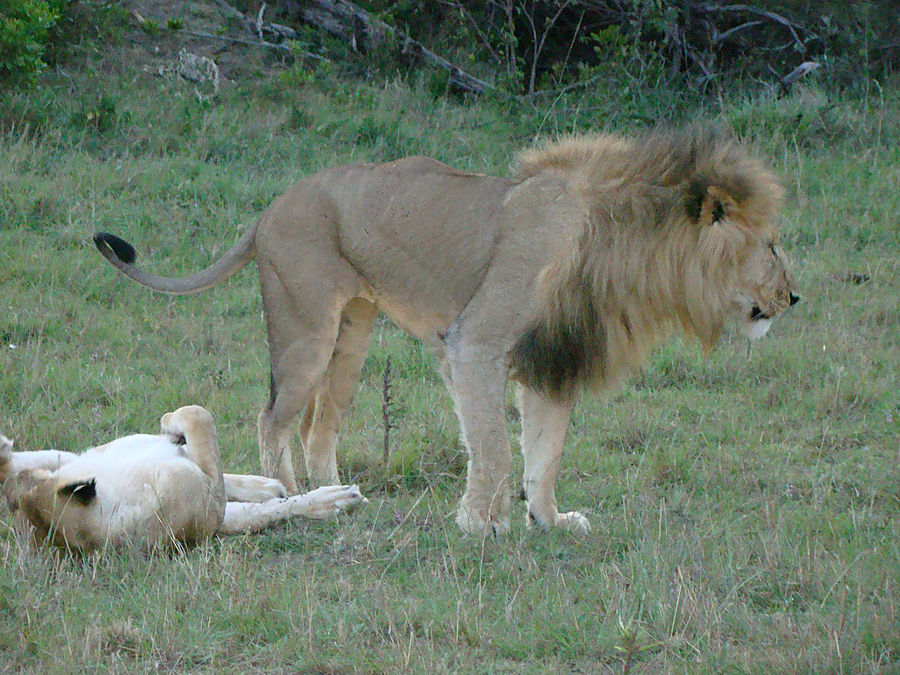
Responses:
[532,44]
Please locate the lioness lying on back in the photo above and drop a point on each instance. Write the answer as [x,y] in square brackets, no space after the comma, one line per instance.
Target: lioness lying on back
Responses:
[150,490]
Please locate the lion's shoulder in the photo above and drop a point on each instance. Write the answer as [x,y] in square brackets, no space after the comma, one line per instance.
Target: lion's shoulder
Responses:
[420,164]
[568,155]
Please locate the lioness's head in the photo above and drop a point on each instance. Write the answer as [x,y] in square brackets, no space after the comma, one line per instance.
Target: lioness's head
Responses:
[59,512]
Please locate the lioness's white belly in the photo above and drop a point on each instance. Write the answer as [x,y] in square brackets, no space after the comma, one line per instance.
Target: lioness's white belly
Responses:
[134,475]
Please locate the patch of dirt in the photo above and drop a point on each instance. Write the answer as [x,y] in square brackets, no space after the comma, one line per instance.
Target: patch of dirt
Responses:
[157,45]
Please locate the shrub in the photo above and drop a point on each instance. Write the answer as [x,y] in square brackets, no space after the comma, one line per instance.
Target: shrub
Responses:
[25,31]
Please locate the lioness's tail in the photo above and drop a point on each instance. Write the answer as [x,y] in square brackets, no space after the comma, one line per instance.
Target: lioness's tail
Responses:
[6,447]
[122,255]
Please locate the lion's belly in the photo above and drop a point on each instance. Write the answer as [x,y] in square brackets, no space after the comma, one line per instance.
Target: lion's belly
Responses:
[428,326]
[421,301]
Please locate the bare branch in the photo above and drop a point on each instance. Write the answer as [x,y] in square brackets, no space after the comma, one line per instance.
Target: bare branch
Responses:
[259,21]
[539,45]
[457,5]
[772,16]
[721,37]
[281,46]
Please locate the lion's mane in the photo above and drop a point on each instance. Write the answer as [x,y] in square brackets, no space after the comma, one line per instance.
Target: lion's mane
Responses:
[655,254]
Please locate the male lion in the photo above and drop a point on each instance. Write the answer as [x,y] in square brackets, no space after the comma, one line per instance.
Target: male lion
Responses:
[146,491]
[562,277]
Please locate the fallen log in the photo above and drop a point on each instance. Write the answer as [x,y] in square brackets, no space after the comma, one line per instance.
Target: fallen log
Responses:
[797,73]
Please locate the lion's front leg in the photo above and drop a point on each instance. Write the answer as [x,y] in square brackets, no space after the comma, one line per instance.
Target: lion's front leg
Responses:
[544,426]
[478,388]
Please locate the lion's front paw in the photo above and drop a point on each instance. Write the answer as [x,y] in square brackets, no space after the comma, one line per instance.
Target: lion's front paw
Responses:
[269,488]
[571,521]
[179,422]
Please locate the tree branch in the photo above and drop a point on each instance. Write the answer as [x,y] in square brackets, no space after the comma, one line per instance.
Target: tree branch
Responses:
[721,37]
[772,16]
[254,43]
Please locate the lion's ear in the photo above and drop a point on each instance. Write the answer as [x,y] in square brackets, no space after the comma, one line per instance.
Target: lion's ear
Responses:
[705,203]
[716,206]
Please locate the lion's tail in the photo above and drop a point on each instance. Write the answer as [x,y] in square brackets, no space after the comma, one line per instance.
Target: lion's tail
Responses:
[122,256]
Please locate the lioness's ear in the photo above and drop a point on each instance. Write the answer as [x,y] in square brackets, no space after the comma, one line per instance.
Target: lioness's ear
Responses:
[82,491]
[706,203]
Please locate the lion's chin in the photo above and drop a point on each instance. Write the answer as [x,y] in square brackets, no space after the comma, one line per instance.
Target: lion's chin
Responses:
[755,328]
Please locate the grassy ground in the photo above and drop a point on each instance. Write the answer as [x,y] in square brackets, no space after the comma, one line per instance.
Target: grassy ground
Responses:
[745,508]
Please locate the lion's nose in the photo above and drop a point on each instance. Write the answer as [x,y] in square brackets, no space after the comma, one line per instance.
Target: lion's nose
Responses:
[794,299]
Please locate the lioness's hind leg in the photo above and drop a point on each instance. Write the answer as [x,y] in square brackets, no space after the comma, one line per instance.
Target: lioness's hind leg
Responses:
[544,426]
[322,420]
[195,424]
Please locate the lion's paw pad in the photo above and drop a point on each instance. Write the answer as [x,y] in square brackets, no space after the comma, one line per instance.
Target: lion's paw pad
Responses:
[573,521]
[470,523]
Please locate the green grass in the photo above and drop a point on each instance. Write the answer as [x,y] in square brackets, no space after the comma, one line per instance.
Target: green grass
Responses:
[745,509]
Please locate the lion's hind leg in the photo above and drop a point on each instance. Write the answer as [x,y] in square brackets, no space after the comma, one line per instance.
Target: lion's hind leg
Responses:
[49,460]
[14,464]
[544,426]
[303,317]
[325,502]
[322,420]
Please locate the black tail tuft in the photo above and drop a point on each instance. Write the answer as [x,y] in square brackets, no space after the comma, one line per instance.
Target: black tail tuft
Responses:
[109,244]
[82,491]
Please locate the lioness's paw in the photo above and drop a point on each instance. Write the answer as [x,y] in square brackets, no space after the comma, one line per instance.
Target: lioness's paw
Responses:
[240,488]
[177,423]
[334,499]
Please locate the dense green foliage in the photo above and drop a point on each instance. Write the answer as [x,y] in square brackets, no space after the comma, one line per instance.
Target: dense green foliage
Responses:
[745,505]
[25,31]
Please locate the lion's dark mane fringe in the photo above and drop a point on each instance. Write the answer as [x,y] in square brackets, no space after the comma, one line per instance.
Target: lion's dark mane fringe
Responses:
[557,361]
